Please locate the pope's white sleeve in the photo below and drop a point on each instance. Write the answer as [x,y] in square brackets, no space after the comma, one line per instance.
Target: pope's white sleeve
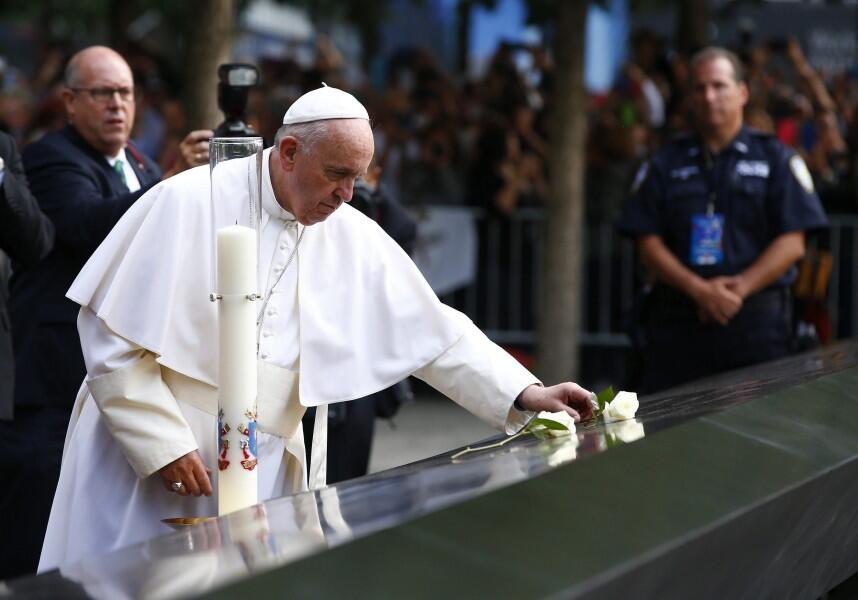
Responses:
[483,378]
[103,350]
[136,405]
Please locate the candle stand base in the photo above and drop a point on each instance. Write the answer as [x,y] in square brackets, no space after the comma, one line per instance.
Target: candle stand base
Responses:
[182,522]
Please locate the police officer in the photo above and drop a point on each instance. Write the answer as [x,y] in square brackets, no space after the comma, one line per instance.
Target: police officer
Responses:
[719,218]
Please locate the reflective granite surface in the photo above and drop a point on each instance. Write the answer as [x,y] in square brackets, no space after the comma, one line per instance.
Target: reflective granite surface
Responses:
[759,445]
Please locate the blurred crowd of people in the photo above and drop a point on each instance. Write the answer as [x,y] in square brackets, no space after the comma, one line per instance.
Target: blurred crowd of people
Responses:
[811,111]
[484,141]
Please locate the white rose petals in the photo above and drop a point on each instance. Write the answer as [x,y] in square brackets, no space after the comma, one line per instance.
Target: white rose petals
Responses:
[622,407]
[561,417]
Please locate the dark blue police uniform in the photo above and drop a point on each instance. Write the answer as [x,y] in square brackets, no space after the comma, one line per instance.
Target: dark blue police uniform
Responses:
[751,192]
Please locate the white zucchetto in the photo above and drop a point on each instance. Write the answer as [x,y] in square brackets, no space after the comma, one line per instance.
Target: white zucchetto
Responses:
[324,103]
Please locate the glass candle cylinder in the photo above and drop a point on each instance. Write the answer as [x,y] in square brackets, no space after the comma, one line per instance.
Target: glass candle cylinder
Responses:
[236,177]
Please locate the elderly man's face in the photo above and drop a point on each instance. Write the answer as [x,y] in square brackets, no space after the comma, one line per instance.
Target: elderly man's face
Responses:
[101,102]
[321,180]
[717,98]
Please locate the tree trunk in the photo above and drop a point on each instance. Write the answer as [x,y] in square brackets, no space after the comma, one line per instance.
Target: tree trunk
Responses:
[560,314]
[463,36]
[692,32]
[209,38]
[119,17]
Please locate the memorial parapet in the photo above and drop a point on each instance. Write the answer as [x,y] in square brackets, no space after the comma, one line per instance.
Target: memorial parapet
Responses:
[739,486]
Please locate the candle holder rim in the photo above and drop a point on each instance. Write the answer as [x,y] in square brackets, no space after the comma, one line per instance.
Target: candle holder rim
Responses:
[236,139]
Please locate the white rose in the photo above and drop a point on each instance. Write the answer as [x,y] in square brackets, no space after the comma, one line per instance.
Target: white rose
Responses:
[622,407]
[625,431]
[561,417]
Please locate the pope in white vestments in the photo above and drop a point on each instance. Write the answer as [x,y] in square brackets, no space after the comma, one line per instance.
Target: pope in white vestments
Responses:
[347,314]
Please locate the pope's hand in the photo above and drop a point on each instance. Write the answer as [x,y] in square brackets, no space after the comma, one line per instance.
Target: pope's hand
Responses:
[568,397]
[189,471]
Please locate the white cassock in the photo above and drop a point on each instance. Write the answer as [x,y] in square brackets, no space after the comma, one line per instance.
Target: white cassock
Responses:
[349,317]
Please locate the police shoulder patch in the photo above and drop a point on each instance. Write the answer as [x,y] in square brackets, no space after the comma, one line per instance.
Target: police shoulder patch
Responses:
[799,169]
[640,176]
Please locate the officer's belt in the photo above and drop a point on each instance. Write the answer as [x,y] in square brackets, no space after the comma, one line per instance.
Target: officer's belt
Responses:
[667,301]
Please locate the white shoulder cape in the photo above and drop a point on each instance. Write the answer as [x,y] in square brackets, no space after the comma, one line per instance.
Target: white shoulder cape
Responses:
[367,317]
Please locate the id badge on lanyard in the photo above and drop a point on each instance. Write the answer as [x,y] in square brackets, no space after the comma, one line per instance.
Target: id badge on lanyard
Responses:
[707,234]
[707,230]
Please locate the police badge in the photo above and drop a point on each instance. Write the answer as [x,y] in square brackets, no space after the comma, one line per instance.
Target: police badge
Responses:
[799,169]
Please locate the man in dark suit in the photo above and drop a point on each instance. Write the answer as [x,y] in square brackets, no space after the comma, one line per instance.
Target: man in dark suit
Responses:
[84,177]
[26,236]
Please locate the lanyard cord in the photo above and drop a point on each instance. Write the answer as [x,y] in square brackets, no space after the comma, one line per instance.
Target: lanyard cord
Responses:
[710,191]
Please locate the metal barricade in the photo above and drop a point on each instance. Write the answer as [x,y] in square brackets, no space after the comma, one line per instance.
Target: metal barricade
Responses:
[504,299]
[843,285]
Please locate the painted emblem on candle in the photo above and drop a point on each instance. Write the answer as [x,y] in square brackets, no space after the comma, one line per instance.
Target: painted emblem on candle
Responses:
[222,442]
[248,446]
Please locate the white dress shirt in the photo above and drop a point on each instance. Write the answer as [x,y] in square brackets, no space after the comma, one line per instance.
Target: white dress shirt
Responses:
[131,180]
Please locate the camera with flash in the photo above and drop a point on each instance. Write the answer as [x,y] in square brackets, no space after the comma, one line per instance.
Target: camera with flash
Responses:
[235,82]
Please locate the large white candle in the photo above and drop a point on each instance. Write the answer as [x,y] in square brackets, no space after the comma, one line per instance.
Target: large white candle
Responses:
[236,279]
[236,260]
